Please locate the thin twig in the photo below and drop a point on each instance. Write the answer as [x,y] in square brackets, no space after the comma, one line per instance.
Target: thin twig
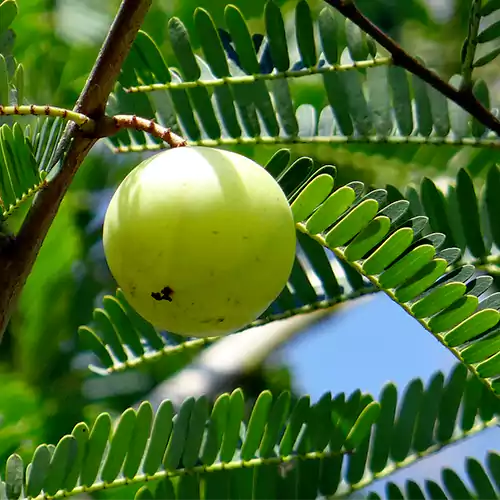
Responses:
[17,258]
[464,98]
[83,121]
[279,75]
[149,126]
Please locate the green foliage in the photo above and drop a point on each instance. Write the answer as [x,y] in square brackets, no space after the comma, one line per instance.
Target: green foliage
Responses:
[252,90]
[145,445]
[278,442]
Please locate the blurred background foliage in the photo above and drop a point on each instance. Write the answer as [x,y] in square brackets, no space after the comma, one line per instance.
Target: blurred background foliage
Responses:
[45,384]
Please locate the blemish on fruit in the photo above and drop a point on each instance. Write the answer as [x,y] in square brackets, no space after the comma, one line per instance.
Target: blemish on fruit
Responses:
[164,294]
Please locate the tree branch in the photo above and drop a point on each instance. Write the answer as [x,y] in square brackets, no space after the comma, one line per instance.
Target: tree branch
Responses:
[464,98]
[17,257]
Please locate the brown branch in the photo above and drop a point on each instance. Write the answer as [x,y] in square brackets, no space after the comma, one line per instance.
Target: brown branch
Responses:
[464,99]
[117,122]
[17,257]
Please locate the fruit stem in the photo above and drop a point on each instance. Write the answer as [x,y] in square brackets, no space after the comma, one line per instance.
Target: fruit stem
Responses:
[149,126]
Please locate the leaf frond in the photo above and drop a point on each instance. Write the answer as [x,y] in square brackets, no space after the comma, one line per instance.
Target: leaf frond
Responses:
[333,447]
[241,88]
[145,445]
[412,264]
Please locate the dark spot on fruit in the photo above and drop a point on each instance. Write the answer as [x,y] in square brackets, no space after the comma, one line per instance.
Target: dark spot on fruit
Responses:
[164,294]
[220,320]
[245,237]
[215,232]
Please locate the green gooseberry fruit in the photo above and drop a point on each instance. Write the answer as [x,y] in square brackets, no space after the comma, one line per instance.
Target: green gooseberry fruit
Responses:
[200,240]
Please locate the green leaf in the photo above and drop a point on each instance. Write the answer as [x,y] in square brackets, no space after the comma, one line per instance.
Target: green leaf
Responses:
[188,488]
[487,58]
[242,39]
[150,53]
[39,469]
[398,82]
[469,213]
[328,28]
[380,104]
[211,43]
[489,7]
[454,314]
[14,474]
[278,163]
[81,435]
[358,107]
[233,424]
[421,280]
[275,29]
[95,448]
[363,425]
[356,41]
[256,425]
[481,93]
[336,204]
[480,481]
[352,223]
[367,239]
[140,324]
[177,441]
[275,422]
[60,464]
[452,395]
[471,327]
[435,208]
[338,99]
[437,300]
[181,45]
[120,443]
[139,439]
[490,33]
[104,324]
[389,251]
[422,106]
[439,109]
[483,349]
[428,414]
[144,493]
[162,427]
[311,197]
[490,367]
[384,428]
[492,202]
[406,421]
[122,324]
[8,12]
[294,175]
[196,430]
[215,432]
[320,263]
[305,34]
[284,106]
[297,419]
[459,118]
[93,343]
[407,266]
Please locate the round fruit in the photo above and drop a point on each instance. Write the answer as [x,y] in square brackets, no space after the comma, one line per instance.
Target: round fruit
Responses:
[200,240]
